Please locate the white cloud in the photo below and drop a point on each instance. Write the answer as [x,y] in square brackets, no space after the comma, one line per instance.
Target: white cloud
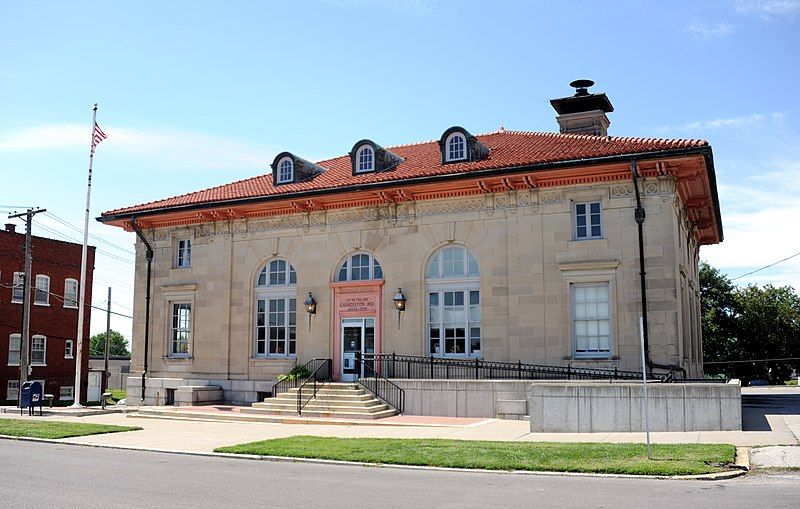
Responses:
[767,9]
[744,121]
[174,148]
[703,31]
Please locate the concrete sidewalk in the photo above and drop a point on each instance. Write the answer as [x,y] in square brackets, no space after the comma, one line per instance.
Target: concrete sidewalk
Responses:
[205,436]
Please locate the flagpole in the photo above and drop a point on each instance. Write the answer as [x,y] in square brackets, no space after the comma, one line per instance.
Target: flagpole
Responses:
[81,304]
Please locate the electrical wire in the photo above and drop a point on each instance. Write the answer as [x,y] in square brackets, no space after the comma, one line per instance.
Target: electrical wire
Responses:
[765,267]
[79,230]
[61,298]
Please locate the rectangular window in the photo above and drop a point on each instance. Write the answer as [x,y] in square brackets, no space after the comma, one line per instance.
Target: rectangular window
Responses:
[38,350]
[183,254]
[66,393]
[68,349]
[276,327]
[454,323]
[14,347]
[588,221]
[12,390]
[181,329]
[42,290]
[70,293]
[19,287]
[591,320]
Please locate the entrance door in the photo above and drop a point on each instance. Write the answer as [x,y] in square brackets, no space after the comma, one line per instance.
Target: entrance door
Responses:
[358,336]
[94,386]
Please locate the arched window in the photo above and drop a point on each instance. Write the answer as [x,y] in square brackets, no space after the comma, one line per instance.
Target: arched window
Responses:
[359,267]
[456,147]
[285,170]
[365,159]
[275,332]
[454,303]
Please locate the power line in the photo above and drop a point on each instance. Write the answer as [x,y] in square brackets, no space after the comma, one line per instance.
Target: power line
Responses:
[72,239]
[765,267]
[96,237]
[61,298]
[744,361]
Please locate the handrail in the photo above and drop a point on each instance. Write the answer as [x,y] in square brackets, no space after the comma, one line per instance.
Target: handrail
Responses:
[379,385]
[322,373]
[393,365]
[284,385]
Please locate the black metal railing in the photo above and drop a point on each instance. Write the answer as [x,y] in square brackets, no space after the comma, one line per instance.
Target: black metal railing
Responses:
[379,385]
[392,365]
[284,385]
[319,377]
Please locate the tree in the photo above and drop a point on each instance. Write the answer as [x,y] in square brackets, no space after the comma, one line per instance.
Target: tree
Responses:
[117,344]
[748,323]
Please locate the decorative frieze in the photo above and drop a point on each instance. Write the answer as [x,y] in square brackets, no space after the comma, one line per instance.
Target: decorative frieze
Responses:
[445,207]
[278,223]
[548,197]
[621,191]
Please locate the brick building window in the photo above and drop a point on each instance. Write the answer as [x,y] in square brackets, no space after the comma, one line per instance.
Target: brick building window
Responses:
[18,290]
[38,350]
[12,390]
[68,349]
[42,297]
[66,393]
[14,348]
[70,293]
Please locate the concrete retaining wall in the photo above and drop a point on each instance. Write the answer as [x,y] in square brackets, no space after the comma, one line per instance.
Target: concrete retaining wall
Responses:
[504,399]
[239,392]
[578,407]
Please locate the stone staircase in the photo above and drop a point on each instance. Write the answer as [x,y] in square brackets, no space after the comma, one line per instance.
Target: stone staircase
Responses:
[334,400]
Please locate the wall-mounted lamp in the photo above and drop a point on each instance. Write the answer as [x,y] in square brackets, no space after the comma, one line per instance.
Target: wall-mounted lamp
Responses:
[399,304]
[311,308]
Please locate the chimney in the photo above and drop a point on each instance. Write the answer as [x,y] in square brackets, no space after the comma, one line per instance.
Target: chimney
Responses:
[583,113]
[11,228]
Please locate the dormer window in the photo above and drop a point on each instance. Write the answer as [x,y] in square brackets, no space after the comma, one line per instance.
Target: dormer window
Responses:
[365,159]
[285,170]
[369,157]
[456,147]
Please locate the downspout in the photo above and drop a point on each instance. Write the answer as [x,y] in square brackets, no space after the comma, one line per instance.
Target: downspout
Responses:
[149,256]
[639,216]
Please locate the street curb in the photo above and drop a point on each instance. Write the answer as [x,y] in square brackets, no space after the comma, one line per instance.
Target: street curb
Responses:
[716,476]
[742,458]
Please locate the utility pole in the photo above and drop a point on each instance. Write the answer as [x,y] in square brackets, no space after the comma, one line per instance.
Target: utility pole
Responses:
[24,362]
[104,383]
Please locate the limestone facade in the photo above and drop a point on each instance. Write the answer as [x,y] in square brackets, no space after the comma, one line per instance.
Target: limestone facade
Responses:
[522,240]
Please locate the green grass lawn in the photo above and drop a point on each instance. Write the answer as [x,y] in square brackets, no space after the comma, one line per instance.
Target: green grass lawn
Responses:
[668,459]
[55,429]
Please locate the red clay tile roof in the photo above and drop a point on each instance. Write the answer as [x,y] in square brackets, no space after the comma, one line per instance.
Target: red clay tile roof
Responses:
[507,149]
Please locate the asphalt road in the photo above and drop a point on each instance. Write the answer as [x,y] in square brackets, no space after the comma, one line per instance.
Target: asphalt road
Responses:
[61,476]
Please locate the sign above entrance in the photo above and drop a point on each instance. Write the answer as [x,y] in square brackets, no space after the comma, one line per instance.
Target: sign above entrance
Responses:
[360,303]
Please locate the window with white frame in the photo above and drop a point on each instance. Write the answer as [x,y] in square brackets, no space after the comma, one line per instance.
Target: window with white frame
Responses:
[365,159]
[18,290]
[588,221]
[454,303]
[359,267]
[181,329]
[591,319]
[70,293]
[38,350]
[456,147]
[12,390]
[183,253]
[68,349]
[14,349]
[276,310]
[66,393]
[42,296]
[285,170]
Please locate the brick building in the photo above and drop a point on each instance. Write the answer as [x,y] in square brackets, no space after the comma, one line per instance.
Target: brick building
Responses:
[54,288]
[510,246]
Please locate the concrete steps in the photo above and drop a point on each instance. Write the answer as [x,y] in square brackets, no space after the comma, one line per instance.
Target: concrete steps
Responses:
[333,400]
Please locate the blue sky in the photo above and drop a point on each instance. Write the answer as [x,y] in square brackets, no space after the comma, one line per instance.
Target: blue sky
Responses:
[195,94]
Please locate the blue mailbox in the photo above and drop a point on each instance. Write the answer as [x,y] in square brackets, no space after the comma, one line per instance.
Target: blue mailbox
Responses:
[32,396]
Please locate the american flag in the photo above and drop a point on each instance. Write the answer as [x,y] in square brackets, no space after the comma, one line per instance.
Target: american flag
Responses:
[99,136]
